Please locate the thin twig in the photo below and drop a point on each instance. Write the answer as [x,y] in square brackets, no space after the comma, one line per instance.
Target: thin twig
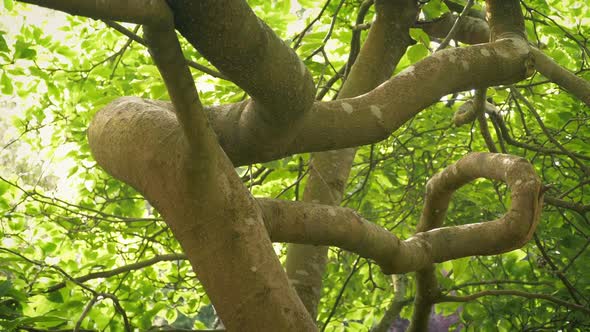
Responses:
[341,292]
[142,41]
[467,298]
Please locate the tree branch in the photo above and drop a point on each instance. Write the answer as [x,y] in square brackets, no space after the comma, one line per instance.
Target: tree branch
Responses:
[167,54]
[480,104]
[142,41]
[455,27]
[152,12]
[499,292]
[580,208]
[547,133]
[471,30]
[299,222]
[192,185]
[577,86]
[505,133]
[328,171]
[372,117]
[119,270]
[505,19]
[254,58]
[457,7]
[397,304]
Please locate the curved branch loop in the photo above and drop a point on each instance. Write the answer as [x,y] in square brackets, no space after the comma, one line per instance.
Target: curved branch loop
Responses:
[511,231]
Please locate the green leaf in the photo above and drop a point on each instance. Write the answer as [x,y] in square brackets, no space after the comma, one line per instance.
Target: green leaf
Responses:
[6,85]
[48,247]
[5,287]
[171,315]
[420,36]
[158,91]
[55,297]
[199,325]
[3,45]
[566,116]
[417,52]
[460,266]
[8,4]
[23,51]
[4,186]
[434,8]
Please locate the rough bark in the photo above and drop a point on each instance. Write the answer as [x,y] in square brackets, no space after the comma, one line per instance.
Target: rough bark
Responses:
[217,223]
[202,200]
[300,222]
[375,115]
[438,193]
[471,30]
[386,43]
[475,30]
[246,50]
[577,86]
[506,21]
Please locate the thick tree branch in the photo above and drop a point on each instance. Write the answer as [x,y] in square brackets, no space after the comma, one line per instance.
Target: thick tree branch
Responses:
[315,224]
[329,171]
[300,222]
[210,216]
[246,50]
[251,55]
[577,86]
[470,30]
[455,27]
[516,226]
[153,12]
[372,117]
[356,121]
[196,189]
[505,19]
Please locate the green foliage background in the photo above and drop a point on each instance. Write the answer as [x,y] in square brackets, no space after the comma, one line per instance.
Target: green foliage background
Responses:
[63,217]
